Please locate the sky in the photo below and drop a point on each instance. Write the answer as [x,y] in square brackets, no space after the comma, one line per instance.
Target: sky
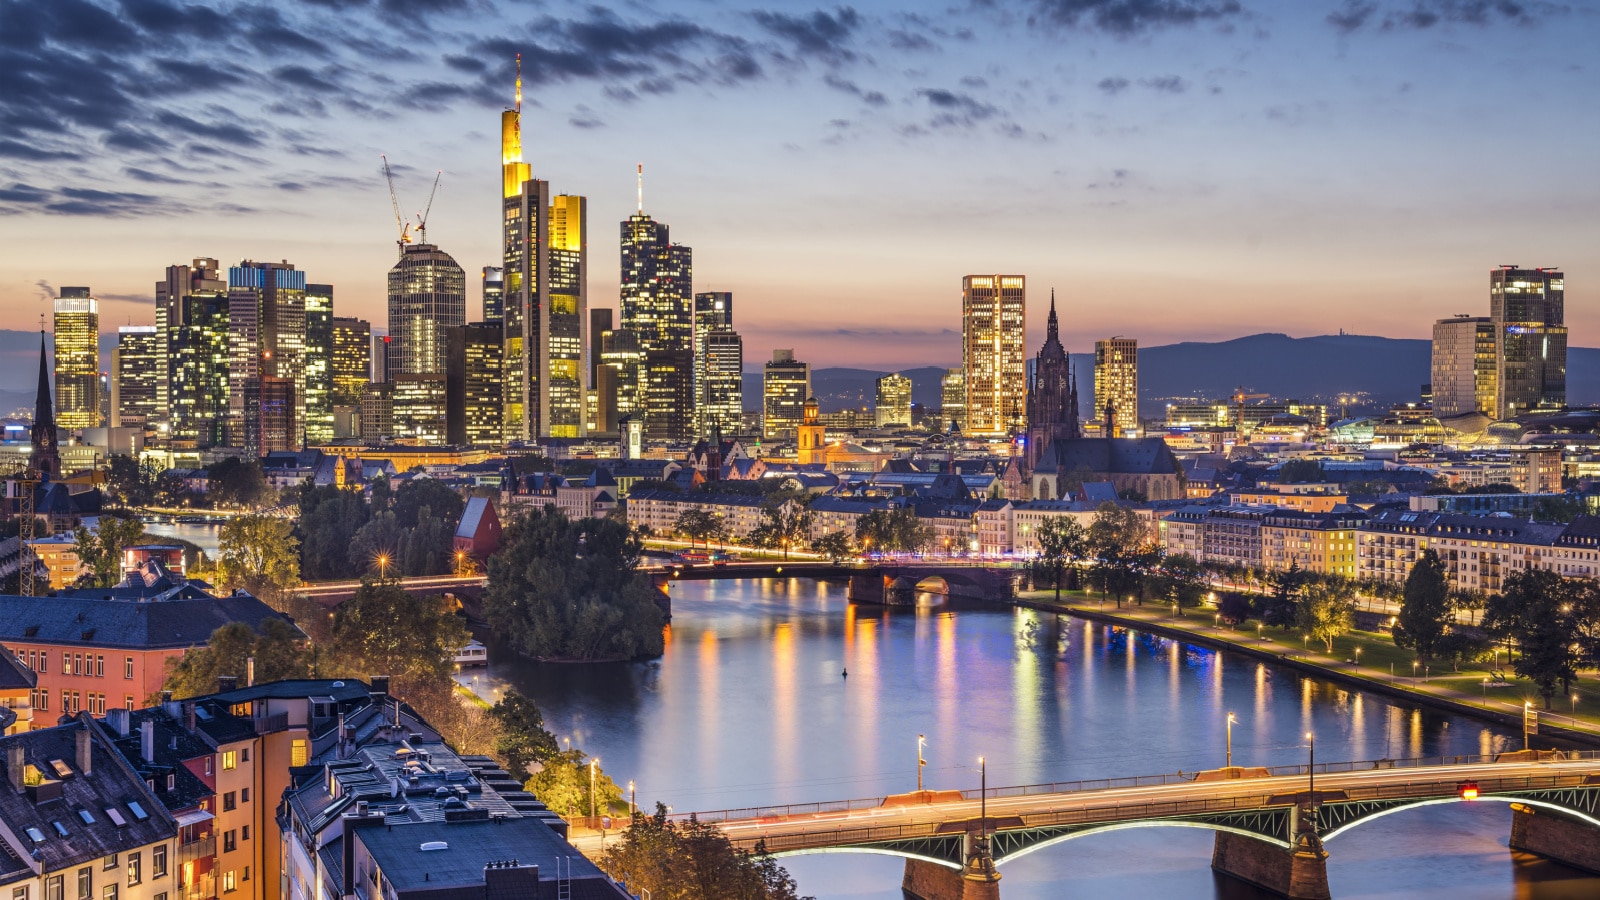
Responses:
[1173,169]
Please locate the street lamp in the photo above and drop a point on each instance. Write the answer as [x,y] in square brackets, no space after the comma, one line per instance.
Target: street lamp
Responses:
[921,742]
[1358,656]
[593,760]
[633,800]
[383,565]
[983,798]
[1311,776]
[1231,719]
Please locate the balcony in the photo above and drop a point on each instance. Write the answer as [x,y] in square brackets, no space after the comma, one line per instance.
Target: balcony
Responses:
[204,888]
[200,848]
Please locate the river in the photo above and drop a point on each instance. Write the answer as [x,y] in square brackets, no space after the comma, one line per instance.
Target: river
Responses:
[749,706]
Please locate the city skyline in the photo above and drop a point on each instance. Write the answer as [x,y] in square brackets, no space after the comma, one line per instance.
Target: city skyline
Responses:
[1310,140]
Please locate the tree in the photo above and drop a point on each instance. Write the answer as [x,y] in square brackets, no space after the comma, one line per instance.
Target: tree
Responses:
[420,499]
[131,481]
[1425,610]
[1301,471]
[235,482]
[522,737]
[329,519]
[693,861]
[563,589]
[1561,510]
[278,650]
[895,530]
[376,546]
[1182,580]
[835,545]
[696,523]
[385,630]
[1120,541]
[101,550]
[1062,542]
[1459,646]
[785,521]
[1281,607]
[1536,609]
[563,785]
[1327,610]
[260,554]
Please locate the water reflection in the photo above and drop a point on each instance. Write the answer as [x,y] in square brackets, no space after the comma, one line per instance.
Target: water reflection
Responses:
[749,706]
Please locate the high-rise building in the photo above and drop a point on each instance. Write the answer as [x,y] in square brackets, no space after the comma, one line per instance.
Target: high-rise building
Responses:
[377,413]
[319,363]
[786,385]
[494,295]
[1463,366]
[1116,385]
[994,342]
[620,351]
[668,378]
[77,343]
[427,298]
[893,408]
[352,360]
[138,371]
[657,304]
[192,317]
[475,386]
[953,399]
[267,355]
[600,322]
[546,296]
[722,401]
[1528,307]
[713,314]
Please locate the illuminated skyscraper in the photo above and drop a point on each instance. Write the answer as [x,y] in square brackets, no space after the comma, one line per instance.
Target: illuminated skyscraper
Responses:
[352,360]
[786,385]
[722,374]
[994,343]
[893,406]
[713,313]
[657,304]
[669,395]
[546,296]
[494,295]
[319,363]
[77,343]
[1528,307]
[475,386]
[138,370]
[427,298]
[1464,366]
[267,356]
[953,399]
[620,351]
[1116,382]
[192,317]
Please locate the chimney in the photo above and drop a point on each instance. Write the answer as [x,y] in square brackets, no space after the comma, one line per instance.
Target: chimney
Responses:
[226,683]
[250,671]
[380,685]
[14,765]
[361,819]
[85,747]
[188,716]
[147,741]
[120,720]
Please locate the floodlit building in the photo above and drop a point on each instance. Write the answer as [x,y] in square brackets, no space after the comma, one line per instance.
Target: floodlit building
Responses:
[786,385]
[77,346]
[138,376]
[1464,366]
[993,349]
[319,363]
[352,360]
[192,313]
[893,406]
[267,356]
[1116,384]
[427,298]
[953,399]
[1528,307]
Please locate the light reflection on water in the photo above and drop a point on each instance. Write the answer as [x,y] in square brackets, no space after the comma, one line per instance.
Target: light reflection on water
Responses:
[750,705]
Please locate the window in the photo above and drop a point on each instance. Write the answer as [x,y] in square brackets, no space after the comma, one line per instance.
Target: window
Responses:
[229,801]
[230,760]
[158,861]
[244,795]
[99,666]
[244,755]
[127,702]
[86,883]
[244,833]
[245,876]
[135,868]
[299,752]
[111,861]
[172,781]
[230,841]
[44,661]
[208,765]
[110,892]
[229,884]
[127,667]
[54,886]
[19,893]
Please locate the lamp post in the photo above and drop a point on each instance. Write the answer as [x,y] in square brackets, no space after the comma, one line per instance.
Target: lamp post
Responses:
[1231,719]
[921,742]
[1311,776]
[383,565]
[983,799]
[633,800]
[593,811]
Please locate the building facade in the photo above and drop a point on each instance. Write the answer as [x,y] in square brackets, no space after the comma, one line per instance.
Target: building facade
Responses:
[892,408]
[994,343]
[319,363]
[1528,307]
[427,298]
[267,356]
[1464,368]
[722,403]
[192,313]
[786,385]
[77,351]
[138,376]
[352,360]
[953,400]
[474,386]
[1116,385]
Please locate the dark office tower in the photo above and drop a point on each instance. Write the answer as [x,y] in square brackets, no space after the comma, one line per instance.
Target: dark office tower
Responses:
[546,296]
[475,386]
[600,322]
[620,351]
[722,400]
[319,364]
[380,359]
[494,295]
[352,360]
[138,373]
[669,395]
[1528,307]
[267,356]
[427,297]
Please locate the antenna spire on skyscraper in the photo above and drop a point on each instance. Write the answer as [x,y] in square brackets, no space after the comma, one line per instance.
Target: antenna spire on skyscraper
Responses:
[519,82]
[641,189]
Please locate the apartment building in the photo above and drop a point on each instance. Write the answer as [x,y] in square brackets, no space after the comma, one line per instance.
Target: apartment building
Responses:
[1321,542]
[1479,552]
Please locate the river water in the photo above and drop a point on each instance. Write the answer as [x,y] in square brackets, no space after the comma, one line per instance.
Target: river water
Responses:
[749,706]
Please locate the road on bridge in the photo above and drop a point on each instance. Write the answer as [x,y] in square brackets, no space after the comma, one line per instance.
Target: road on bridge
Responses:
[845,823]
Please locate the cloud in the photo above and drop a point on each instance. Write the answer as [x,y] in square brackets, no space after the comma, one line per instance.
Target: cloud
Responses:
[1166,84]
[819,34]
[871,98]
[956,110]
[21,198]
[1126,18]
[584,117]
[18,150]
[1356,15]
[1114,86]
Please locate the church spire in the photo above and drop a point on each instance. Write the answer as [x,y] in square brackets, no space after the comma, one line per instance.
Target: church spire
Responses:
[1053,332]
[46,455]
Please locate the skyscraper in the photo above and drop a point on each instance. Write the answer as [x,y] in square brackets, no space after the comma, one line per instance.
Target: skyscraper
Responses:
[1463,366]
[267,356]
[1116,385]
[953,399]
[352,360]
[494,295]
[1528,307]
[657,304]
[77,342]
[620,352]
[192,316]
[713,314]
[786,385]
[722,401]
[427,298]
[138,371]
[319,363]
[993,341]
[669,395]
[475,386]
[893,402]
[546,295]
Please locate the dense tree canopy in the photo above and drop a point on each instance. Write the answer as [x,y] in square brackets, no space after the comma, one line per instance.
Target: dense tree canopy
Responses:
[895,530]
[1425,612]
[1062,542]
[279,652]
[563,589]
[693,861]
[385,630]
[261,555]
[101,550]
[1545,615]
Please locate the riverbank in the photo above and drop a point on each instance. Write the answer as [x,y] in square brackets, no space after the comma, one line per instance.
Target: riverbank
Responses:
[1377,672]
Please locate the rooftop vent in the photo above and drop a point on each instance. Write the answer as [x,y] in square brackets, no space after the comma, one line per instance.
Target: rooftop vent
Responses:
[436,845]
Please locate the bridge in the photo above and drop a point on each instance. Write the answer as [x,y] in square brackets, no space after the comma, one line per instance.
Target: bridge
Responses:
[1270,824]
[892,582]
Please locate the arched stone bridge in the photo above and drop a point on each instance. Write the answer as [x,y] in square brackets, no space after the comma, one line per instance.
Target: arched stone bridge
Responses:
[891,582]
[1269,827]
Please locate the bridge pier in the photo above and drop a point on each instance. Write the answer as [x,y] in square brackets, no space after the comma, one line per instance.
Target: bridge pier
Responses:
[1299,873]
[1555,837]
[867,587]
[977,880]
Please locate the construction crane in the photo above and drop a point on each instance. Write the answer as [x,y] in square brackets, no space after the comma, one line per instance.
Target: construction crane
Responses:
[25,563]
[422,217]
[399,221]
[1239,398]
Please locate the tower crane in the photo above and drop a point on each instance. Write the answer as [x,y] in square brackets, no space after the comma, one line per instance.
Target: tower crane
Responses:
[394,201]
[422,217]
[1239,398]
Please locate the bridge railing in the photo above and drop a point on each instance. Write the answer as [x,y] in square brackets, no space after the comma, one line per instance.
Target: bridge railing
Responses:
[781,811]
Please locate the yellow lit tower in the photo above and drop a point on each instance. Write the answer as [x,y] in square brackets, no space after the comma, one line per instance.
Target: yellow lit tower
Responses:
[545,295]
